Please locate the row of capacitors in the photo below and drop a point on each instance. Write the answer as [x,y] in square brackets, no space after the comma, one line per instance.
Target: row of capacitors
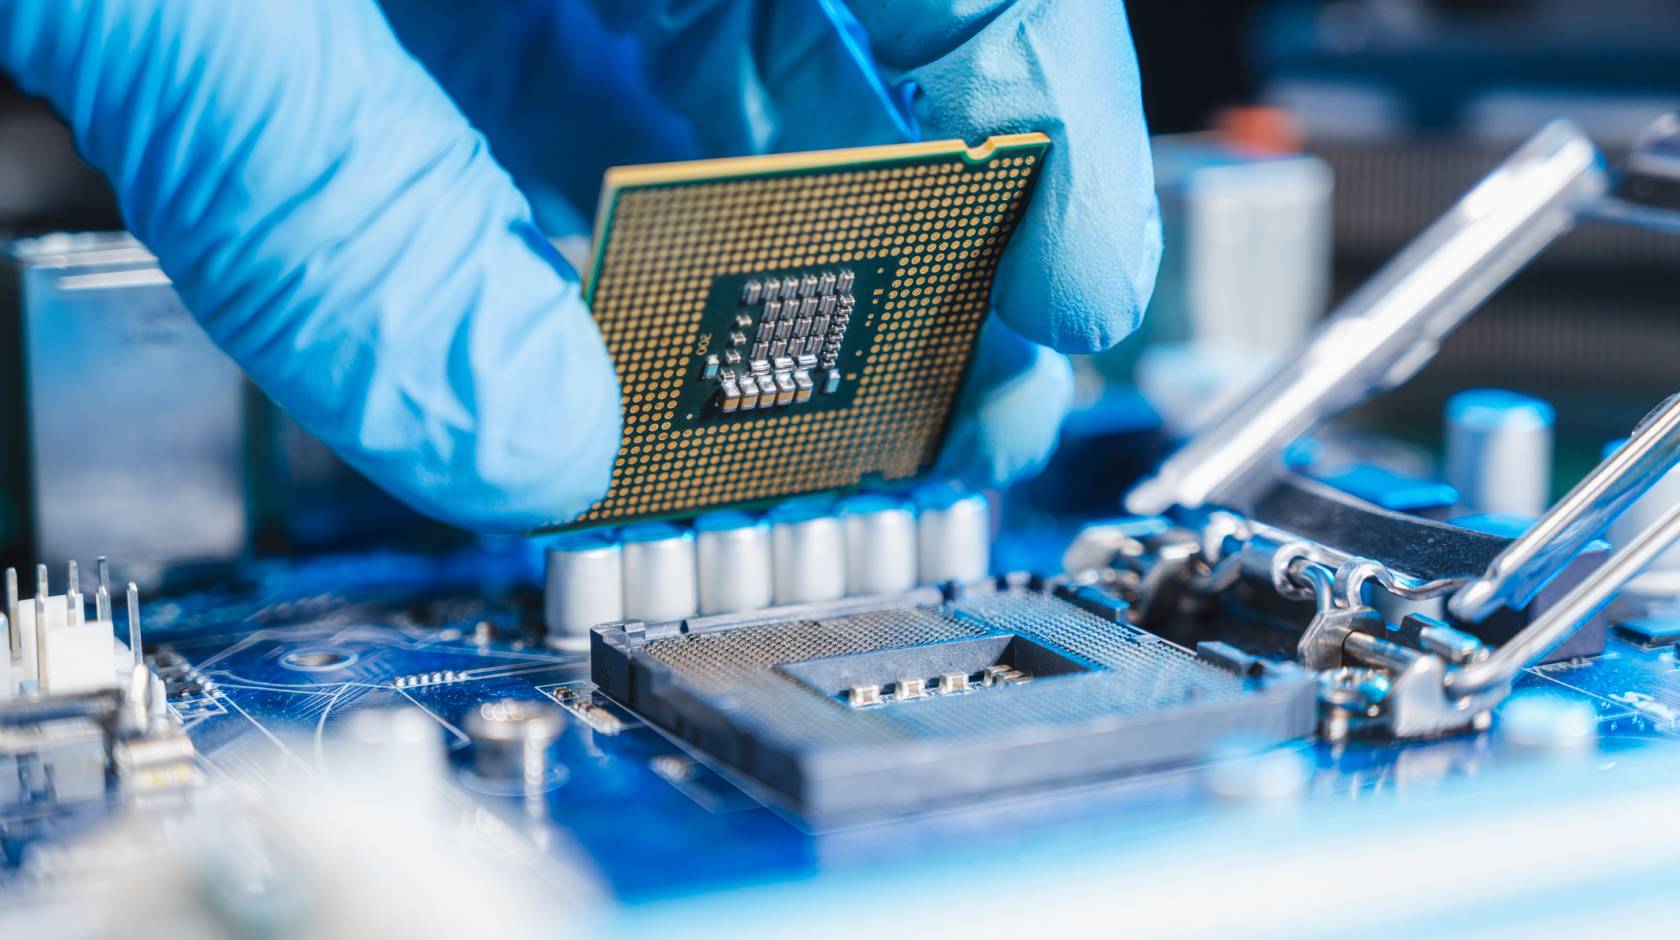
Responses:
[730,562]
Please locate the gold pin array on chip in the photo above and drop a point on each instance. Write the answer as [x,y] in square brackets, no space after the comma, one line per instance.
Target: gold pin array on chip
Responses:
[795,323]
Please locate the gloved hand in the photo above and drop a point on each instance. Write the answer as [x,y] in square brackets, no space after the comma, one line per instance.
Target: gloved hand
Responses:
[332,218]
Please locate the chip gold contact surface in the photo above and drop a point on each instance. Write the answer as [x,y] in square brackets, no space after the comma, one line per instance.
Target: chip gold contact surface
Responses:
[795,323]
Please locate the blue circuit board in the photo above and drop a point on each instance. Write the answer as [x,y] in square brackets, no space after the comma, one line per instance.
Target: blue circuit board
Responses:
[294,648]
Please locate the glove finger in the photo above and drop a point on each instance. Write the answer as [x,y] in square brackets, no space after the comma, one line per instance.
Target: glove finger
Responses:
[1081,267]
[565,90]
[340,230]
[1010,416]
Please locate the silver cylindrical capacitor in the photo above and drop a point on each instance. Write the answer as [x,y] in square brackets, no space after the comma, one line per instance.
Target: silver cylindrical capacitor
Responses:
[1499,451]
[659,572]
[954,535]
[1661,577]
[582,585]
[512,740]
[808,546]
[733,550]
[880,545]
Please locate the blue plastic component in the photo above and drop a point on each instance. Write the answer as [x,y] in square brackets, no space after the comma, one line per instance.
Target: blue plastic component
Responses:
[1303,453]
[1393,491]
[802,510]
[1493,408]
[652,532]
[726,520]
[869,502]
[1651,631]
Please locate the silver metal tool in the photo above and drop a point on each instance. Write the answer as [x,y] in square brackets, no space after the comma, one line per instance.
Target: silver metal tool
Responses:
[1576,608]
[1392,325]
[1513,577]
[1647,193]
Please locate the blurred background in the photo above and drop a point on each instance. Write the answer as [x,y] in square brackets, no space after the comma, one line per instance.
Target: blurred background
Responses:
[1299,146]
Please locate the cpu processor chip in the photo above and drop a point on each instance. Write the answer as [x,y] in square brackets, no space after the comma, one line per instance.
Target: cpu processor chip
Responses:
[795,323]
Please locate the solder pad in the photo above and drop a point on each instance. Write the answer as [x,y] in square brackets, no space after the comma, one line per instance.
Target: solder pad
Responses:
[685,256]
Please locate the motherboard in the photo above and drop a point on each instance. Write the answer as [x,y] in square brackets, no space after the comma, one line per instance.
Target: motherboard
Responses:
[778,670]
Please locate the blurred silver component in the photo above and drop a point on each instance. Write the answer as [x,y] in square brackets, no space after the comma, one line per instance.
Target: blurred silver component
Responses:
[1392,325]
[159,761]
[1513,576]
[513,739]
[40,642]
[954,682]
[1499,451]
[1647,194]
[102,594]
[1662,578]
[1235,220]
[659,572]
[11,612]
[111,349]
[808,547]
[733,552]
[1541,724]
[74,611]
[880,545]
[953,537]
[583,580]
[134,622]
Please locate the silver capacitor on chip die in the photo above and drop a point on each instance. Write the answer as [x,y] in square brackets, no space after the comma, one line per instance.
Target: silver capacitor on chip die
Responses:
[582,585]
[953,535]
[733,562]
[880,545]
[808,549]
[659,572]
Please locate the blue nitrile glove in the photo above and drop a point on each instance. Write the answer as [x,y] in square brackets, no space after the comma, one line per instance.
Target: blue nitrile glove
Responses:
[335,223]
